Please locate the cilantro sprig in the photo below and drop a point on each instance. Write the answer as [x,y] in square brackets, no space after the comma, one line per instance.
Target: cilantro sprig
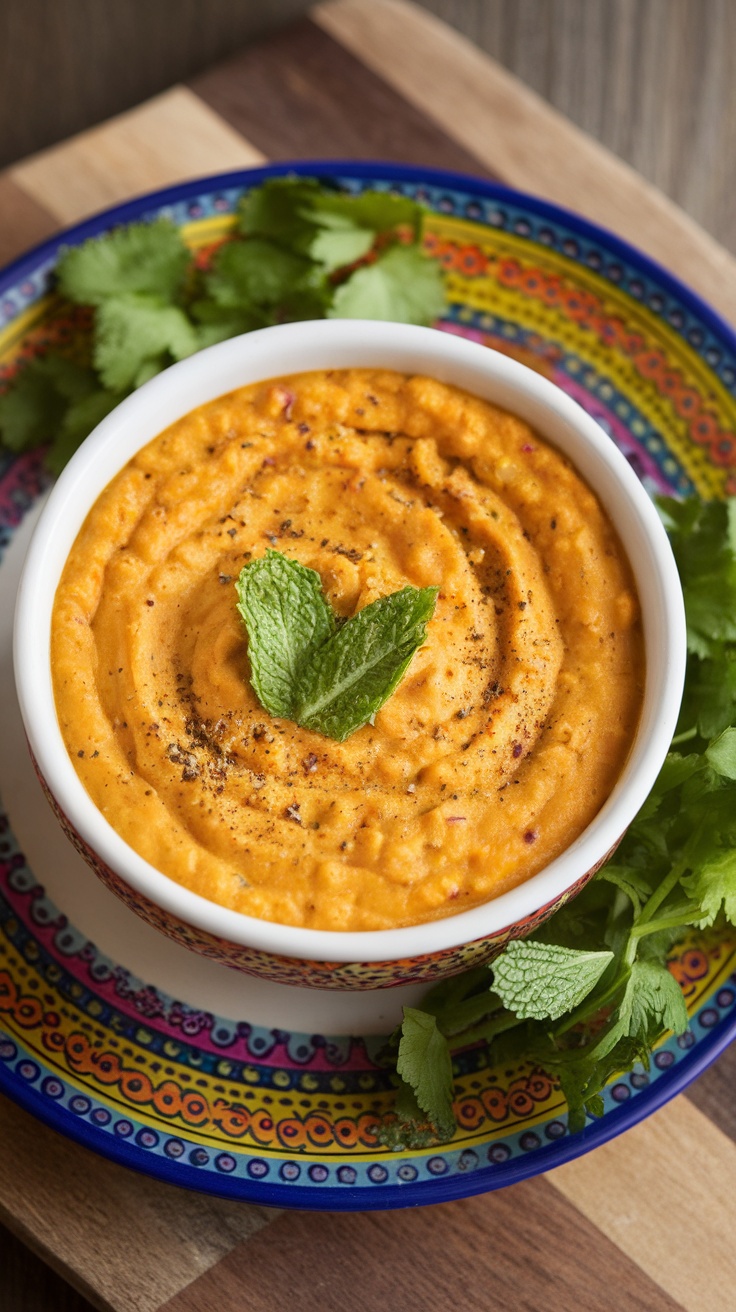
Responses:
[301,251]
[589,993]
[307,666]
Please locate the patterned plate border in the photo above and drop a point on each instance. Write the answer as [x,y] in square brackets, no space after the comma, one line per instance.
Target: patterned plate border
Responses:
[451,1174]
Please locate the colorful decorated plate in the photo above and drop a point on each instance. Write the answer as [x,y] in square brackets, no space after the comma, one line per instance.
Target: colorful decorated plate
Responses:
[183,1069]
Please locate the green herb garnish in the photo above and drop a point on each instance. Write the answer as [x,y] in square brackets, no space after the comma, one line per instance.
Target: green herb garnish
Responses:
[301,251]
[589,993]
[305,665]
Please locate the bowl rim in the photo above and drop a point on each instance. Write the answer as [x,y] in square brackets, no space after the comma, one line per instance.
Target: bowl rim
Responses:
[215,371]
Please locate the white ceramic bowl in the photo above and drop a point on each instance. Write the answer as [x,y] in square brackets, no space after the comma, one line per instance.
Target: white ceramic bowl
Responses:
[371,959]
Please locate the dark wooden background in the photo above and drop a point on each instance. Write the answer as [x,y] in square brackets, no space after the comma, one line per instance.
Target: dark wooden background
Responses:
[655,80]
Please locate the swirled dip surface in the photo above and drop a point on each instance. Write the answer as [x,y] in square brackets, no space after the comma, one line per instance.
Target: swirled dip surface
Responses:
[497,749]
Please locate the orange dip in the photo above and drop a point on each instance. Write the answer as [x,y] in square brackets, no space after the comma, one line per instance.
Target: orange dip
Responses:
[507,733]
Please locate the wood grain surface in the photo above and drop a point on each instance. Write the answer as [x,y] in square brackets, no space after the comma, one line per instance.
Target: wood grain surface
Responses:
[514,132]
[460,1254]
[108,1214]
[651,79]
[646,1222]
[166,140]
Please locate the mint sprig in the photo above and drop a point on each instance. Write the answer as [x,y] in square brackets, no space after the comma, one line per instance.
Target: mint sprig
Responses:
[306,667]
[287,618]
[589,994]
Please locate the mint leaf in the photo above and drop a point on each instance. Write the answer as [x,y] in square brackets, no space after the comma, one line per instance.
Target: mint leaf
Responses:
[424,1063]
[304,667]
[132,332]
[287,618]
[360,666]
[541,981]
[712,886]
[403,285]
[142,257]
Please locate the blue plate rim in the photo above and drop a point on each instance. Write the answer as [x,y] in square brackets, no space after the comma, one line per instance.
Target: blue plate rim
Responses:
[669,1084]
[376,170]
[383,1197]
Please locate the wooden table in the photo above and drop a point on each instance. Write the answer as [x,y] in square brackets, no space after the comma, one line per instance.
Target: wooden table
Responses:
[647,1221]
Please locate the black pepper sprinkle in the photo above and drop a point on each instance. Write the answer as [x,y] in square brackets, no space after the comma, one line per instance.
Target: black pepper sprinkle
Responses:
[80,753]
[530,836]
[149,601]
[292,812]
[231,532]
[225,578]
[351,553]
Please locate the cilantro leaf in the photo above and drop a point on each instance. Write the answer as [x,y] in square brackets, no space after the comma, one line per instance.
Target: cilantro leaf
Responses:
[299,214]
[32,411]
[360,666]
[702,544]
[258,274]
[81,417]
[132,332]
[141,257]
[287,618]
[215,323]
[582,1077]
[652,1002]
[712,886]
[542,981]
[279,210]
[402,284]
[424,1063]
[338,243]
[721,754]
[152,305]
[377,211]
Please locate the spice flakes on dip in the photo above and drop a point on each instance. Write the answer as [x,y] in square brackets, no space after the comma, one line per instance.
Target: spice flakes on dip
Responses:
[502,741]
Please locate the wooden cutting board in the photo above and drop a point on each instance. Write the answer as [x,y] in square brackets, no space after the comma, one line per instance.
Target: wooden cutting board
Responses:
[646,1222]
